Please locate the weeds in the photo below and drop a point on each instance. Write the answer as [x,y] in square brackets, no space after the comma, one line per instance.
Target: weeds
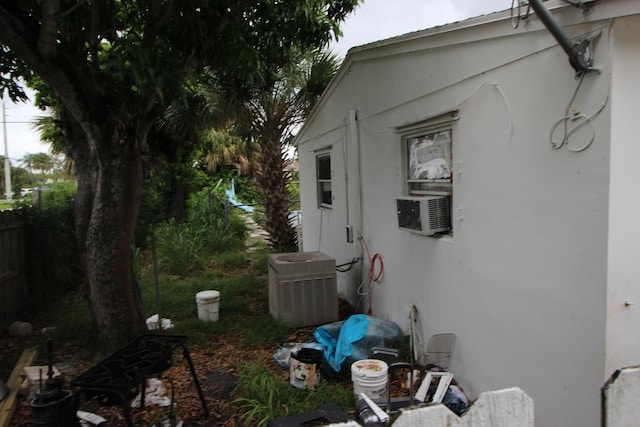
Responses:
[261,397]
[207,252]
[179,247]
[209,229]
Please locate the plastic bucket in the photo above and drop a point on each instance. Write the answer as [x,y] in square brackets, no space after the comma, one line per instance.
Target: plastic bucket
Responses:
[369,376]
[208,302]
[304,368]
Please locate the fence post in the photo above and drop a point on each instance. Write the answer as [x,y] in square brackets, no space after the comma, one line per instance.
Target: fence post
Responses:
[620,397]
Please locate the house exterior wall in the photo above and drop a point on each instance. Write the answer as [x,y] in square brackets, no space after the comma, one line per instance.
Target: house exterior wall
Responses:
[623,278]
[522,279]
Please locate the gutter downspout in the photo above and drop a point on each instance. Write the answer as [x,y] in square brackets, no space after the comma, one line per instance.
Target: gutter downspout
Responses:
[354,143]
[579,52]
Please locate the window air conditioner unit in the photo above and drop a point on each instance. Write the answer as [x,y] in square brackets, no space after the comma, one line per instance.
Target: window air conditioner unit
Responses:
[425,215]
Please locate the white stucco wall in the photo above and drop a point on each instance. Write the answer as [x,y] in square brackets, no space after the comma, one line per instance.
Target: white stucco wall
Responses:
[522,280]
[623,302]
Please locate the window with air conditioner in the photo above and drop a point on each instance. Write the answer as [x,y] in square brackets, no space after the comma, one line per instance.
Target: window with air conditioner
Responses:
[323,180]
[427,147]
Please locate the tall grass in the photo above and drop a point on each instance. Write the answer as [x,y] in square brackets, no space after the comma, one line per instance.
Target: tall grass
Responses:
[208,229]
[207,252]
[179,247]
[261,397]
[243,306]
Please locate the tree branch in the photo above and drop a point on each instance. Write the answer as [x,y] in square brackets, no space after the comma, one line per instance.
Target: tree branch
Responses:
[21,34]
[47,38]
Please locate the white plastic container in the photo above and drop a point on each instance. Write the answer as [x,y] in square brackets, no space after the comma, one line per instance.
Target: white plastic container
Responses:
[208,302]
[369,376]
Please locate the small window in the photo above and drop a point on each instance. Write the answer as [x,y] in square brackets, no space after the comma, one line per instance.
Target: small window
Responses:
[428,161]
[323,172]
[425,206]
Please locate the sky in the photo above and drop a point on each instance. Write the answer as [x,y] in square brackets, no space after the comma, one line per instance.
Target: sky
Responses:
[372,21]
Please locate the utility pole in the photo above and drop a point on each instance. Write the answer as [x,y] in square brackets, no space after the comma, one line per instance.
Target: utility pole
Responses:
[7,162]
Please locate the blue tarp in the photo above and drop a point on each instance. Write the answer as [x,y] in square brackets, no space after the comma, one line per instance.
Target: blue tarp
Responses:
[351,340]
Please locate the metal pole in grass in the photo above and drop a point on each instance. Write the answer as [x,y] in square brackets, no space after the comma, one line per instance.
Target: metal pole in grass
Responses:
[155,275]
[227,228]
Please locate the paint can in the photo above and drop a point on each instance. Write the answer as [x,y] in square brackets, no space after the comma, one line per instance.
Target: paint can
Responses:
[369,376]
[304,368]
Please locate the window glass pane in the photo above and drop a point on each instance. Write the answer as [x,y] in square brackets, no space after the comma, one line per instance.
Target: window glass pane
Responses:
[429,156]
[325,193]
[324,167]
[323,172]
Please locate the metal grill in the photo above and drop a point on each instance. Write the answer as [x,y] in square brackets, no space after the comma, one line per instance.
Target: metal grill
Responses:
[118,378]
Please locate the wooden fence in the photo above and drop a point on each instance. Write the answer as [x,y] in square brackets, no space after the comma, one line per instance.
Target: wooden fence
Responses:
[13,266]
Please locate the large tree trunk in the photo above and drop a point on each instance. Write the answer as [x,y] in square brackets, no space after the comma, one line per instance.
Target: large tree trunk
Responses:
[110,176]
[273,181]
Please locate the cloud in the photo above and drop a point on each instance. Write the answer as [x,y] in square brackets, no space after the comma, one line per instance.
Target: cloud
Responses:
[376,20]
[22,138]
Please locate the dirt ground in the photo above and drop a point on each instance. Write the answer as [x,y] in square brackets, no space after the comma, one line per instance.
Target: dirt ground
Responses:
[215,369]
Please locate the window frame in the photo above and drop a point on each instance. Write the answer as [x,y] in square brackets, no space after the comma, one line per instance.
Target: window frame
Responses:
[323,181]
[417,188]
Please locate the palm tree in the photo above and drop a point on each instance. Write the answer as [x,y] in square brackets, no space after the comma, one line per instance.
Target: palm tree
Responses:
[51,133]
[27,162]
[42,162]
[222,148]
[268,111]
[37,162]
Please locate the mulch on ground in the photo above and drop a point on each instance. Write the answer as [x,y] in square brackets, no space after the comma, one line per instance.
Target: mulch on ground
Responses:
[216,369]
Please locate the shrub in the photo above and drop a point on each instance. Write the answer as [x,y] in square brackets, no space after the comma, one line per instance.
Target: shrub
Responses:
[179,247]
[208,229]
[54,261]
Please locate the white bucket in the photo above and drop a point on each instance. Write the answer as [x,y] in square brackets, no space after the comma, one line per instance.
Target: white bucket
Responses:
[208,302]
[369,376]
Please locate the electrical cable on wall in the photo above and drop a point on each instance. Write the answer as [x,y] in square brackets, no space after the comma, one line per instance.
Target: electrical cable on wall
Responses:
[578,121]
[573,120]
[516,22]
[347,266]
[373,275]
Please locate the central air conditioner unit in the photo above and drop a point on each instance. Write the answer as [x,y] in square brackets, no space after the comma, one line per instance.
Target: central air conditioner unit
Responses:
[425,215]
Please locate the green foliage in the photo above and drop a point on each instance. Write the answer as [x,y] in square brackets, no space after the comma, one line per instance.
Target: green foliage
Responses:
[262,397]
[262,392]
[231,260]
[55,266]
[265,330]
[293,188]
[241,297]
[260,263]
[19,178]
[179,246]
[208,229]
[72,319]
[271,109]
